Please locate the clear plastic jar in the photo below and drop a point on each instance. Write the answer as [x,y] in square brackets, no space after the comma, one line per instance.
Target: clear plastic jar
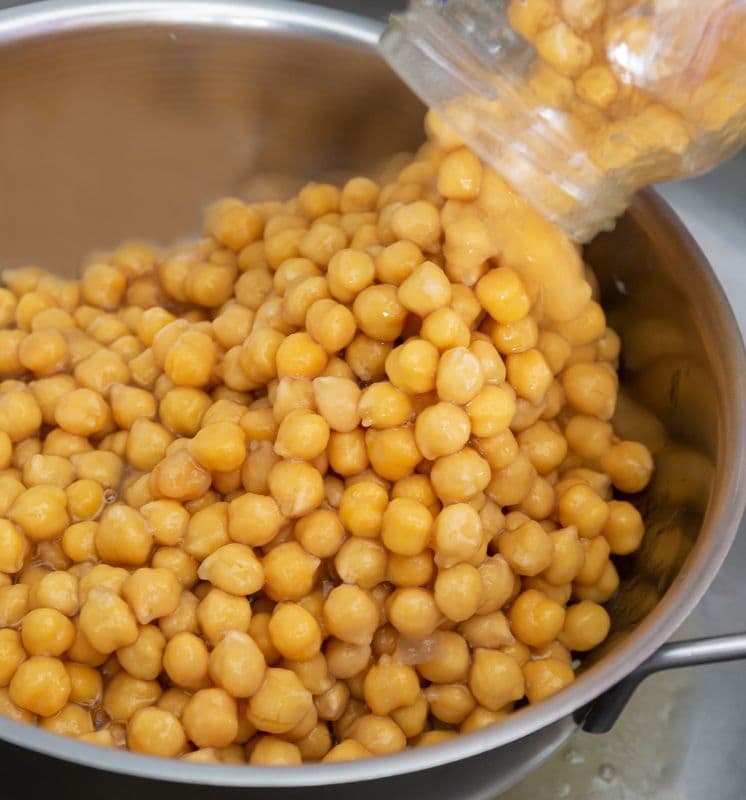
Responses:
[579,103]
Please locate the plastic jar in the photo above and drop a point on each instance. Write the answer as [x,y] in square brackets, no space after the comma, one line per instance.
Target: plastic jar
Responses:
[579,103]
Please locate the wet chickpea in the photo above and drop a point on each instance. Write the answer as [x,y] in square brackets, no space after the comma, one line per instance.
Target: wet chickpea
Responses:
[413,366]
[629,464]
[527,548]
[535,619]
[40,685]
[350,614]
[546,677]
[582,507]
[219,612]
[320,533]
[144,657]
[441,429]
[290,572]
[458,591]
[280,703]
[46,632]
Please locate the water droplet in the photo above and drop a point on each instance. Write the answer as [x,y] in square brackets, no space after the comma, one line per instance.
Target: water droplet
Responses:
[573,756]
[110,496]
[607,773]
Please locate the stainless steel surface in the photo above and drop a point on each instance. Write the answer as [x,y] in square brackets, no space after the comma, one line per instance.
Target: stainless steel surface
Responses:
[124,117]
[605,710]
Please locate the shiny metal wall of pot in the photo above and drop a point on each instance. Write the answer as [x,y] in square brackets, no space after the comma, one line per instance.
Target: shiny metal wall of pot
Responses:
[124,117]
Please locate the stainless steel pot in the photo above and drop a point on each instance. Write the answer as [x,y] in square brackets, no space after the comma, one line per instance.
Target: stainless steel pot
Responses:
[123,117]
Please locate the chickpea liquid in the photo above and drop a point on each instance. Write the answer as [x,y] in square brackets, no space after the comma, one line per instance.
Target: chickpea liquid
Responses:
[352,451]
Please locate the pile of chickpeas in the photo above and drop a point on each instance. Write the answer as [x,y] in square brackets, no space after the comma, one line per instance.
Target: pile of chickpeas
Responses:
[335,480]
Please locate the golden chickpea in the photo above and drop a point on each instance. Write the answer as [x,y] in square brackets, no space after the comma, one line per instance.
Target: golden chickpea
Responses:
[568,556]
[280,703]
[180,477]
[207,531]
[14,547]
[46,632]
[459,477]
[185,660]
[630,465]
[406,526]
[535,619]
[441,429]
[123,536]
[495,679]
[57,590]
[591,389]
[459,378]
[14,603]
[219,612]
[294,632]
[107,621]
[379,313]
[351,614]
[527,548]
[85,499]
[254,519]
[348,750]
[96,465]
[12,654]
[181,564]
[367,357]
[320,533]
[458,591]
[546,677]
[624,528]
[143,659]
[395,263]
[41,512]
[210,718]
[234,568]
[378,734]
[337,401]
[290,572]
[447,660]
[346,660]
[70,720]
[418,222]
[445,328]
[393,452]
[425,290]
[361,562]
[582,507]
[296,486]
[457,534]
[405,571]
[40,685]
[86,684]
[413,612]
[237,665]
[151,593]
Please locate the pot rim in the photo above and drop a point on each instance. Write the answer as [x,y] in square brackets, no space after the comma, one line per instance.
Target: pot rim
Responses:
[724,512]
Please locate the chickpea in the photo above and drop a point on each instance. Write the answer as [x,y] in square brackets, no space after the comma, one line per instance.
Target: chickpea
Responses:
[156,732]
[458,591]
[582,507]
[406,526]
[320,533]
[123,536]
[350,614]
[348,750]
[448,661]
[233,568]
[527,548]
[294,632]
[219,612]
[413,366]
[143,659]
[210,718]
[290,572]
[40,685]
[106,621]
[12,654]
[14,547]
[41,512]
[629,464]
[568,556]
[457,534]
[441,429]
[86,684]
[546,677]
[46,632]
[535,619]
[280,703]
[151,593]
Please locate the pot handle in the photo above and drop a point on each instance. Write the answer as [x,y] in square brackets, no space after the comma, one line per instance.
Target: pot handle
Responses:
[600,715]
